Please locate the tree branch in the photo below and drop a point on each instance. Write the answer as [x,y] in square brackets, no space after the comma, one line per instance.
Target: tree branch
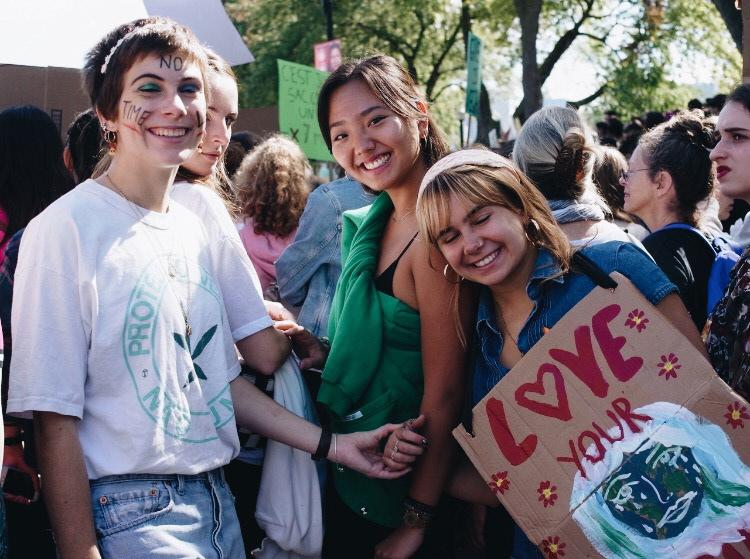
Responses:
[590,98]
[435,73]
[594,37]
[563,44]
[446,86]
[395,43]
[422,29]
[732,19]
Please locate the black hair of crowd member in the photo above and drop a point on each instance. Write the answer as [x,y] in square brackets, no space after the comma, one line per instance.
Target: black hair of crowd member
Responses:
[653,119]
[85,145]
[616,128]
[741,95]
[240,144]
[32,172]
[716,102]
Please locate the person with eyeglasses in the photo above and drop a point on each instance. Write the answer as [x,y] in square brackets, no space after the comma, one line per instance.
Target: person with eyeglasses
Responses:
[609,168]
[669,175]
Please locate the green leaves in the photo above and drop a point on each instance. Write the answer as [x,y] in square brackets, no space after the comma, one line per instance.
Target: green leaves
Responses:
[184,343]
[205,338]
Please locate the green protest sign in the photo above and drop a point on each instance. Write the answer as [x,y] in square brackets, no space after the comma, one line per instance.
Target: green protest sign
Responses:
[298,105]
[474,78]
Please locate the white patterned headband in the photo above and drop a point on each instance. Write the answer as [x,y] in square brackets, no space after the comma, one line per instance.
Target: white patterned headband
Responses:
[114,48]
[481,157]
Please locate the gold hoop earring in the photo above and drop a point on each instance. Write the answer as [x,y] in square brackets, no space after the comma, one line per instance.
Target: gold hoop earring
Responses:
[110,138]
[445,275]
[533,232]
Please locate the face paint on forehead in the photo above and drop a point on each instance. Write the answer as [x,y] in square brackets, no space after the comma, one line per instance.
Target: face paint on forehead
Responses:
[172,62]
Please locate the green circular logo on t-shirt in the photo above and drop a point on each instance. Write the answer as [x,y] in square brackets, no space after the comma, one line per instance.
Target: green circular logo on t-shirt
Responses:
[183,401]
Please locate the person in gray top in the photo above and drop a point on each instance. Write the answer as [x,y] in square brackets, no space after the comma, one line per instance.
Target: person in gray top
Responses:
[308,270]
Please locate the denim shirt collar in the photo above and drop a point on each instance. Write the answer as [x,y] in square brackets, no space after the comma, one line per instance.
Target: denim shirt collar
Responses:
[545,266]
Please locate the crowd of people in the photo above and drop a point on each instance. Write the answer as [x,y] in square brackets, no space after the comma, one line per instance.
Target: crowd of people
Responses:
[194,305]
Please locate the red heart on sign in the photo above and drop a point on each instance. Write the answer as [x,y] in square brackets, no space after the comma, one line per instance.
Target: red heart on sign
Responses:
[560,409]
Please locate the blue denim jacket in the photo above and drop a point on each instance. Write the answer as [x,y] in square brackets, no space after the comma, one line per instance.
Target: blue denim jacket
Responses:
[307,271]
[555,297]
[552,299]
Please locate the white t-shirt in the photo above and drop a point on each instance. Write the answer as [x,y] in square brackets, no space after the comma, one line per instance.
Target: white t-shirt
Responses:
[98,304]
[210,209]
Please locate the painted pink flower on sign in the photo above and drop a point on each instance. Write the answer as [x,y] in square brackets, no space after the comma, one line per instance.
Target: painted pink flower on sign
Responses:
[637,319]
[500,482]
[668,366]
[736,415]
[547,493]
[553,547]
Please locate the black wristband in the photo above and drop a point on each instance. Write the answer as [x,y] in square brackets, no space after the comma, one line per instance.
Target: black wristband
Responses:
[11,441]
[324,445]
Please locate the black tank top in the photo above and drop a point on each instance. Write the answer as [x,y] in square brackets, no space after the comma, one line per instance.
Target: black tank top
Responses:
[384,282]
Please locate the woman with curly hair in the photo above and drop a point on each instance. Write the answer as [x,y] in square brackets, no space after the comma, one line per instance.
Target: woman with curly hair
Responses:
[272,187]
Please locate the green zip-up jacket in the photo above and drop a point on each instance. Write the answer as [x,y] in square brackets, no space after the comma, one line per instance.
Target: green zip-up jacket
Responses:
[374,370]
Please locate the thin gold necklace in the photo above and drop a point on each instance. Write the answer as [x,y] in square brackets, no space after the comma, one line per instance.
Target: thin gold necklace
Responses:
[504,326]
[171,271]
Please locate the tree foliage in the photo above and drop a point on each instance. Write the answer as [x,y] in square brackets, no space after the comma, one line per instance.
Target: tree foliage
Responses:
[634,44]
[425,35]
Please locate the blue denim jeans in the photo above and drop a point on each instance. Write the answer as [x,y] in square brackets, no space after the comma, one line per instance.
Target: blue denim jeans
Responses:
[176,516]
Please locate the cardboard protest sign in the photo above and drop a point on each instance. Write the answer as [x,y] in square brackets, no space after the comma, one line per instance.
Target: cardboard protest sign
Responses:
[614,437]
[298,108]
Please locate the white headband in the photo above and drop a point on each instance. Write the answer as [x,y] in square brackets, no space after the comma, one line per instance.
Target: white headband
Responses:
[114,48]
[481,157]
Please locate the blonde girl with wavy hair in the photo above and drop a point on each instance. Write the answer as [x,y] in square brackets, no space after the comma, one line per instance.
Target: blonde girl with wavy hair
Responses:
[493,227]
[272,187]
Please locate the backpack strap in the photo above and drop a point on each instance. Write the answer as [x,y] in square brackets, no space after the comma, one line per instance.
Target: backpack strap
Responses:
[585,265]
[686,227]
